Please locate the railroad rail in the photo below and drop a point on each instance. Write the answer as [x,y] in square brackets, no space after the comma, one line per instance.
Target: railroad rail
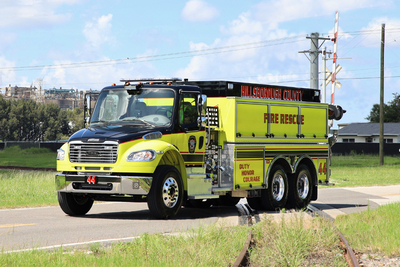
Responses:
[246,214]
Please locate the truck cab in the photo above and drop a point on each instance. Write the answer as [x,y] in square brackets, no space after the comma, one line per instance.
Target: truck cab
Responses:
[140,141]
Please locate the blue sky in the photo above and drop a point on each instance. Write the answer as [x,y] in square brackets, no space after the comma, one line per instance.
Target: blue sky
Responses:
[249,41]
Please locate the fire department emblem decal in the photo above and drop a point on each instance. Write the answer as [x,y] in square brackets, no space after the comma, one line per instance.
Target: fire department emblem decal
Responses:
[192,143]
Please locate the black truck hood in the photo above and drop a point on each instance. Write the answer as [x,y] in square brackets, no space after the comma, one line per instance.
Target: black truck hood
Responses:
[114,133]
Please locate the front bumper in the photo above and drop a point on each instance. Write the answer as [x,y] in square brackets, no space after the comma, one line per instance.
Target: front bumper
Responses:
[103,184]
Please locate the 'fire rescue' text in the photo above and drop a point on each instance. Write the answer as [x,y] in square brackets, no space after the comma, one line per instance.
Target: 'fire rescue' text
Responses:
[283,118]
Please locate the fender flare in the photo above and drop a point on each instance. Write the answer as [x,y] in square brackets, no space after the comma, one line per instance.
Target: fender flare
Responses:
[169,155]
[309,161]
[281,159]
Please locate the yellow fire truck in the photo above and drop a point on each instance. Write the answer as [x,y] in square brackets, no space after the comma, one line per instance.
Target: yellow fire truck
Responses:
[174,143]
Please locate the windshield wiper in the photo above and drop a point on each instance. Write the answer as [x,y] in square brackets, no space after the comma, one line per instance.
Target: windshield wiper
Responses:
[136,119]
[101,121]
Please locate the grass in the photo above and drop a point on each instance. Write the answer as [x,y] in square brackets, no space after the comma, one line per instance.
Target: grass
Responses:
[31,157]
[373,230]
[296,241]
[27,189]
[211,246]
[364,170]
[364,160]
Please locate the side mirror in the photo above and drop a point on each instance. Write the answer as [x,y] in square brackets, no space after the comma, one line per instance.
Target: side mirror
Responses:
[202,109]
[87,107]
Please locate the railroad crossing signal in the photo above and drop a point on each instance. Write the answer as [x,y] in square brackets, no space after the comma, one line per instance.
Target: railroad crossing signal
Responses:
[329,77]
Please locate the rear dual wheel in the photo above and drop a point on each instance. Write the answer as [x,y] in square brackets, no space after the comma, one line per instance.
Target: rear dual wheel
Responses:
[276,195]
[297,191]
[301,186]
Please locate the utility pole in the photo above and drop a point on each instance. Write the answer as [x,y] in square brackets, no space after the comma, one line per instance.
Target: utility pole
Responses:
[313,58]
[381,129]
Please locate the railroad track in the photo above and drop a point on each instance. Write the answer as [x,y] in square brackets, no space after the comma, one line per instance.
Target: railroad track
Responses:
[246,214]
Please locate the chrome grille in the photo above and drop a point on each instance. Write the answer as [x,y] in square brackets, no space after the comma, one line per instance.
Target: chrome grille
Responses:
[80,152]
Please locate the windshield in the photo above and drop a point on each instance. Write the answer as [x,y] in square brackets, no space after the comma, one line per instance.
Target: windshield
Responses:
[148,108]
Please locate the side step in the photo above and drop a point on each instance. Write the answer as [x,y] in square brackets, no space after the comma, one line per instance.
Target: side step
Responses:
[199,186]
[203,196]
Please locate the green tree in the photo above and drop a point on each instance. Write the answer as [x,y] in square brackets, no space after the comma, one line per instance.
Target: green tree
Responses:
[4,111]
[55,122]
[75,117]
[391,111]
[26,120]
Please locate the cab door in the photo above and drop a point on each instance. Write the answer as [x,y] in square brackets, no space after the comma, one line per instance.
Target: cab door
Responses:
[191,138]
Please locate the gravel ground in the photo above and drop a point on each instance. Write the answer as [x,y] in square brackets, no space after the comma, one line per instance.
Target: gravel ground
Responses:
[374,259]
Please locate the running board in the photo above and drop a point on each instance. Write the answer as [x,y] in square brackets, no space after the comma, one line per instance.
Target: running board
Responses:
[203,196]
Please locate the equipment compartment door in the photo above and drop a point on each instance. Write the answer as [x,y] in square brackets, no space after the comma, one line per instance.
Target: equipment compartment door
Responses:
[249,167]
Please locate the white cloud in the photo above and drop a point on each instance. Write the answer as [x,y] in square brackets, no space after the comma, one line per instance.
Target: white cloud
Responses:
[98,31]
[6,72]
[275,12]
[32,13]
[372,33]
[246,56]
[266,62]
[95,76]
[243,25]
[198,10]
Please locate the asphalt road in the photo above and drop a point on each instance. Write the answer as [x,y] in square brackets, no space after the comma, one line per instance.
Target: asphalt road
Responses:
[44,227]
[341,201]
[49,227]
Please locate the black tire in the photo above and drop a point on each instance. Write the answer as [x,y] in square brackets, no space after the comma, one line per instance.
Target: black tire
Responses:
[166,193]
[301,187]
[276,195]
[74,204]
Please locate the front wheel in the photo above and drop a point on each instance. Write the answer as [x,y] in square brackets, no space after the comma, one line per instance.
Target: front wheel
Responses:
[74,204]
[166,192]
[276,195]
[301,188]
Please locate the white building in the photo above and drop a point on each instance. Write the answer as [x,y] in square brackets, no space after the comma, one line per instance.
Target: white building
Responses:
[369,133]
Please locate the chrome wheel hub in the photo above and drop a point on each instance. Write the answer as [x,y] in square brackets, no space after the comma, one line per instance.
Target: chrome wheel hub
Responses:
[303,186]
[170,194]
[278,187]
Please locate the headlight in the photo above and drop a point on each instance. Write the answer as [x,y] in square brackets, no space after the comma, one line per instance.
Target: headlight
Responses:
[145,155]
[60,154]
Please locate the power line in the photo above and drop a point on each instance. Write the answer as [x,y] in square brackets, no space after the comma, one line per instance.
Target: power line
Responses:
[167,56]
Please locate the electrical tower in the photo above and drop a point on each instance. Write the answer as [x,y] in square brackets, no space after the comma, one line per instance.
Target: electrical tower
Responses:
[40,97]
